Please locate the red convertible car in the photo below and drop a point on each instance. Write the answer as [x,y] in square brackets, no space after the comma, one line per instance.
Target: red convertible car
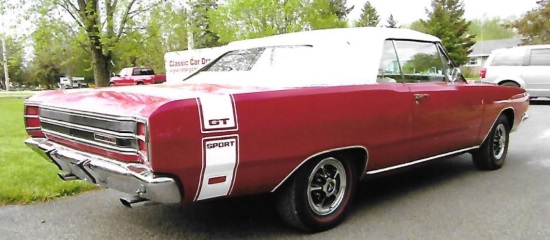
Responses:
[303,116]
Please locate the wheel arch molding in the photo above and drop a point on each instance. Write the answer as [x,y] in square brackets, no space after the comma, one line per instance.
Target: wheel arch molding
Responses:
[357,154]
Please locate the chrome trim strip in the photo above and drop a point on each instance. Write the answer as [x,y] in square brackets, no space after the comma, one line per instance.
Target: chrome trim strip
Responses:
[89,129]
[94,115]
[321,153]
[101,123]
[132,178]
[110,147]
[420,161]
[31,116]
[32,128]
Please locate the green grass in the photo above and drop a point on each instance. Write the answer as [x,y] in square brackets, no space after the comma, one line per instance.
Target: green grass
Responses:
[25,177]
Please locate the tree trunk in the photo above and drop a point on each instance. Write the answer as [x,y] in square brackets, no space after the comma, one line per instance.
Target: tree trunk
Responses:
[102,68]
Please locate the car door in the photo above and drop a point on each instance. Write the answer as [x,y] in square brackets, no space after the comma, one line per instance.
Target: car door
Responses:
[537,72]
[446,116]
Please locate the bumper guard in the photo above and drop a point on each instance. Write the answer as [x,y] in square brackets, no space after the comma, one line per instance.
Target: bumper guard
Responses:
[132,178]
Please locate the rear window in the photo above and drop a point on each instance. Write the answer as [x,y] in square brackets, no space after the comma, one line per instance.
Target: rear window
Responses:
[511,57]
[540,57]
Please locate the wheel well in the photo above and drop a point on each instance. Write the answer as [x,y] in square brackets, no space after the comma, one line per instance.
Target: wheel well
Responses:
[508,81]
[358,155]
[509,113]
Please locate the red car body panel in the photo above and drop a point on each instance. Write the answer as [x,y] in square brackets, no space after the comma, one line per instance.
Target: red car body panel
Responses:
[279,129]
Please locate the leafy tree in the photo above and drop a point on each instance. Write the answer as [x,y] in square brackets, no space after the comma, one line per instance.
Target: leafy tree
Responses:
[244,19]
[339,8]
[490,29]
[417,26]
[446,21]
[102,22]
[533,26]
[203,36]
[14,54]
[391,22]
[369,16]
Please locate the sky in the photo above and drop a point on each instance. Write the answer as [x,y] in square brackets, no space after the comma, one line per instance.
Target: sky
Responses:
[407,11]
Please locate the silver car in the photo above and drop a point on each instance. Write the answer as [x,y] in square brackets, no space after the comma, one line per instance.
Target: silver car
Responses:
[525,66]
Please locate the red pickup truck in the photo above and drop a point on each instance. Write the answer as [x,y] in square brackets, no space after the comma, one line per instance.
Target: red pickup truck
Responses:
[137,76]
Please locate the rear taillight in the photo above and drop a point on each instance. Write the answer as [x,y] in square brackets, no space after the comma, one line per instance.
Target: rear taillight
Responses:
[142,140]
[483,72]
[32,121]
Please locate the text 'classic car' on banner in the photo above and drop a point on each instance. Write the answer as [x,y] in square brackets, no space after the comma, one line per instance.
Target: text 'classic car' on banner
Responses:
[303,116]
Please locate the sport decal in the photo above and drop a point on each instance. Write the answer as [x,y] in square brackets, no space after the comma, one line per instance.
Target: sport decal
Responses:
[220,159]
[217,113]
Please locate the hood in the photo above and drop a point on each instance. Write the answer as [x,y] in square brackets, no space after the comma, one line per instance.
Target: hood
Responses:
[132,100]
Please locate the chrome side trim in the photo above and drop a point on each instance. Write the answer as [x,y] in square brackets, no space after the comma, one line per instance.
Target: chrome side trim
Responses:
[97,144]
[131,178]
[420,161]
[321,153]
[33,128]
[31,116]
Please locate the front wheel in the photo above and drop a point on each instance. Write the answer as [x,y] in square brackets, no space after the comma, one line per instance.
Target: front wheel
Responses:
[492,153]
[318,195]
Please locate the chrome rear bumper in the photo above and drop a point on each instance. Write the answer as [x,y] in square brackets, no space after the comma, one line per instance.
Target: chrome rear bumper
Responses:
[132,178]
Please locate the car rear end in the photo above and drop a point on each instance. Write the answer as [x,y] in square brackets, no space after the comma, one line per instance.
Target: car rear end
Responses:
[108,148]
[504,67]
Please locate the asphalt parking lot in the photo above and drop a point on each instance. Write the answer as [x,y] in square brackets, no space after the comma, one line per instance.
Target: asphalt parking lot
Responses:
[448,199]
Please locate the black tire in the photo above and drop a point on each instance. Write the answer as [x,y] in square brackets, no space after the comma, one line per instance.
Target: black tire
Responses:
[492,153]
[139,83]
[111,84]
[307,208]
[509,84]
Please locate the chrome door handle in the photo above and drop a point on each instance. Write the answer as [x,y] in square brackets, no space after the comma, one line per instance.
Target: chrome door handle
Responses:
[420,96]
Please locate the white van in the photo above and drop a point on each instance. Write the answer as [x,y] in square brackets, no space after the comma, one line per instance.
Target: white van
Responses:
[72,82]
[525,66]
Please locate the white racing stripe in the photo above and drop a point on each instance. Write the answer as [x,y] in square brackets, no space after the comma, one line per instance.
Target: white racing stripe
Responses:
[220,162]
[217,113]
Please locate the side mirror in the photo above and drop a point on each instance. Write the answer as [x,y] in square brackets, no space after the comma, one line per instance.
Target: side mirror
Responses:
[455,75]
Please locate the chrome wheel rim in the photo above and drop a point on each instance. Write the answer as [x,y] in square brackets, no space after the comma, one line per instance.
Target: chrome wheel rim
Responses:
[499,141]
[326,186]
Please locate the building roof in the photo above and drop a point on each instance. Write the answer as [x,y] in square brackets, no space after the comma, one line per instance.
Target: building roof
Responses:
[484,48]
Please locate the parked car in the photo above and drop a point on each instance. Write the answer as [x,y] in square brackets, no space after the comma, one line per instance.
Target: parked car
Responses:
[137,76]
[303,116]
[525,66]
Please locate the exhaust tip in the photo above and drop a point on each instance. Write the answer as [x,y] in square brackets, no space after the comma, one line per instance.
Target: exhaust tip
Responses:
[132,201]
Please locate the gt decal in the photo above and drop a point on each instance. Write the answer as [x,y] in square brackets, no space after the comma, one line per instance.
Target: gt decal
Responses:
[217,113]
[219,166]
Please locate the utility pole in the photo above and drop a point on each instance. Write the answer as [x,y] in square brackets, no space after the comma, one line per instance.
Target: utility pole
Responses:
[4,57]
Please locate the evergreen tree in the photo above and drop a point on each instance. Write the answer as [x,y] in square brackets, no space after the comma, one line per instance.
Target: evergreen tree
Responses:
[391,22]
[369,17]
[533,26]
[339,8]
[446,21]
[203,36]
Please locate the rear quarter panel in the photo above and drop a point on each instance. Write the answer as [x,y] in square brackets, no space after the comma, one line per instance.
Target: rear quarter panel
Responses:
[279,130]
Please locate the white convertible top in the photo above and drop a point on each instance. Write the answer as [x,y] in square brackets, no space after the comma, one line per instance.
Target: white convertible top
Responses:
[345,56]
[365,35]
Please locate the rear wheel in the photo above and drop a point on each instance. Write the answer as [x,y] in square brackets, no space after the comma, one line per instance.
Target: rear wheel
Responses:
[318,195]
[492,153]
[139,83]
